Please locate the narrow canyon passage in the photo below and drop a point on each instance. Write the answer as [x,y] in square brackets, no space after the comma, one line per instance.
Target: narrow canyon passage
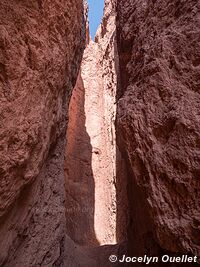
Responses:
[93,210]
[99,139]
[127,194]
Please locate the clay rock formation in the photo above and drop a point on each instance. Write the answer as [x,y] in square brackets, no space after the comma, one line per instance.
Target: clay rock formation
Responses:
[133,137]
[158,121]
[38,62]
[41,45]
[91,151]
[107,44]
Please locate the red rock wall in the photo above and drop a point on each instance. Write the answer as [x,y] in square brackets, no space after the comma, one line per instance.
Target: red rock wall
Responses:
[158,122]
[91,152]
[41,45]
[79,175]
[48,219]
[106,40]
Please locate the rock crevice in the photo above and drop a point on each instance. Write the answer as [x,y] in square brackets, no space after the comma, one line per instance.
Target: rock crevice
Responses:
[91,151]
[124,178]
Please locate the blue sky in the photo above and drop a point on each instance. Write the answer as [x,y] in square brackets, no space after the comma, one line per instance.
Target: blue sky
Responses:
[95,15]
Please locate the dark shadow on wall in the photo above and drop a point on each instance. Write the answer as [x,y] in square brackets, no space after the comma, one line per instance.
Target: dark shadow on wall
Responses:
[80,187]
[121,197]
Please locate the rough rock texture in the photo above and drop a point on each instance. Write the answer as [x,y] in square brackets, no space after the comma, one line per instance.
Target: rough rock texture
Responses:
[106,40]
[39,41]
[41,45]
[79,176]
[91,151]
[158,121]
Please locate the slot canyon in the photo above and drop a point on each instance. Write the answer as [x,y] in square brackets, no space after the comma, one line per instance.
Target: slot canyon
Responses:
[99,139]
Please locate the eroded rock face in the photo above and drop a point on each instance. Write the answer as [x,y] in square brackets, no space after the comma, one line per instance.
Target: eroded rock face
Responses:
[158,121]
[41,45]
[91,151]
[39,41]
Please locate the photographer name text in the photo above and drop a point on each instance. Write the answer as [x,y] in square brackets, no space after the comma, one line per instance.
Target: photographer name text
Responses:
[147,259]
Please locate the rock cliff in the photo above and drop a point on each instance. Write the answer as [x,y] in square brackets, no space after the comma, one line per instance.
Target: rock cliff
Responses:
[41,45]
[158,122]
[128,166]
[91,151]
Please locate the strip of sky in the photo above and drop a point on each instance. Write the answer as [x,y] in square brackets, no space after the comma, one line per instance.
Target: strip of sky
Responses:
[95,15]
